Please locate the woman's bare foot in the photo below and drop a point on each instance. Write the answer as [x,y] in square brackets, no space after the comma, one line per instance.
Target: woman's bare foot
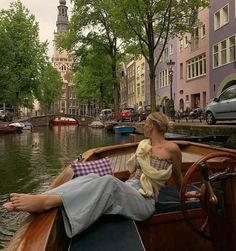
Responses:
[32,203]
[9,207]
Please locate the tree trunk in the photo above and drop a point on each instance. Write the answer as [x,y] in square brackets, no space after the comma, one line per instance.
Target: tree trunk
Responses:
[152,76]
[116,87]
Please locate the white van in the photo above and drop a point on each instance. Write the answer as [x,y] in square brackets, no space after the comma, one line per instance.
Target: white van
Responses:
[106,114]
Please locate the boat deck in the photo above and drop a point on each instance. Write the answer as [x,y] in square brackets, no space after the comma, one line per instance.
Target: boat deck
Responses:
[118,162]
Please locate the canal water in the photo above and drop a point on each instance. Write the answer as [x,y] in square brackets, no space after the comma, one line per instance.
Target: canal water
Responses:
[29,161]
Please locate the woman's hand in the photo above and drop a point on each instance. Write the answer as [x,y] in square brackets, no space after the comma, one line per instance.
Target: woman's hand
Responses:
[192,195]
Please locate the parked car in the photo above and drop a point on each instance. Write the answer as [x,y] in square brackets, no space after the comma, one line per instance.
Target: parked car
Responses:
[127,114]
[144,112]
[222,107]
[106,114]
[6,115]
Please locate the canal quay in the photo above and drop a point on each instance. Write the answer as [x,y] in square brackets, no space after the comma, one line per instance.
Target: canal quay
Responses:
[197,128]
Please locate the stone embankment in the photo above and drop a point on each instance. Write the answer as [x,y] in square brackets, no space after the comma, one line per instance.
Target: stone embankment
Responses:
[197,128]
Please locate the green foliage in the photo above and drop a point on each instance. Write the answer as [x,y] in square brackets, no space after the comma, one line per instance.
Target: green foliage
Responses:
[146,27]
[170,108]
[22,55]
[50,86]
[92,78]
[92,25]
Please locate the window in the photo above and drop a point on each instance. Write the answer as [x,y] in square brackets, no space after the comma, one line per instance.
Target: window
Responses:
[181,44]
[171,49]
[163,78]
[195,39]
[142,88]
[185,41]
[232,55]
[221,17]
[138,90]
[225,14]
[196,67]
[217,20]
[138,71]
[203,31]
[215,56]
[165,55]
[228,94]
[181,71]
[142,69]
[63,68]
[224,52]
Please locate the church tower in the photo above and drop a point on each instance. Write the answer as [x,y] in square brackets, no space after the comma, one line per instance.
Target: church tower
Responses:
[62,17]
[62,61]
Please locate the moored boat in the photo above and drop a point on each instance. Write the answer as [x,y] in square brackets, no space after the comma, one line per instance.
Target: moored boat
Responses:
[10,129]
[165,230]
[96,124]
[62,121]
[124,129]
[196,138]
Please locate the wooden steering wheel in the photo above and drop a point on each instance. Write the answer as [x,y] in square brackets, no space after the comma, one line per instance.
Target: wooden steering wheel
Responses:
[212,198]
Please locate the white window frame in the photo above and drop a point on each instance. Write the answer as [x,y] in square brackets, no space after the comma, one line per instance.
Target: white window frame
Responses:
[165,55]
[181,44]
[232,47]
[221,16]
[163,79]
[220,50]
[203,30]
[223,51]
[215,54]
[186,41]
[196,67]
[172,48]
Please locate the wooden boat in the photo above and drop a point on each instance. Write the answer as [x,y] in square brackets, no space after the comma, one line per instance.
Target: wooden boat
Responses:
[64,121]
[10,129]
[124,129]
[163,230]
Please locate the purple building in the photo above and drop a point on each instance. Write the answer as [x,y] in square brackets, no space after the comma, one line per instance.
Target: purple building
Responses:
[164,88]
[222,43]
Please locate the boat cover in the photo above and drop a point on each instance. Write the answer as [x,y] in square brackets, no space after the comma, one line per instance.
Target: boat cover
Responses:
[169,200]
[110,233]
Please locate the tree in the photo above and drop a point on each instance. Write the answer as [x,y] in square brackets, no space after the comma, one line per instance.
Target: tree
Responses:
[50,87]
[24,55]
[92,79]
[92,22]
[148,24]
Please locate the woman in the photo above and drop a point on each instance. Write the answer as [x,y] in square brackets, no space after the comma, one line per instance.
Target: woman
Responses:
[84,199]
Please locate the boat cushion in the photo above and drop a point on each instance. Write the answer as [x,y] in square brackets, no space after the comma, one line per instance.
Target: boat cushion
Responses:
[114,233]
[169,200]
[101,167]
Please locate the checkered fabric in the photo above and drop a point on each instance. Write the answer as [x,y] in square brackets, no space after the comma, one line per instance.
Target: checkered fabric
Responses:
[101,167]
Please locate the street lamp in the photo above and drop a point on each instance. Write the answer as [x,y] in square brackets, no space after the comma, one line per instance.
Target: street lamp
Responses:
[170,64]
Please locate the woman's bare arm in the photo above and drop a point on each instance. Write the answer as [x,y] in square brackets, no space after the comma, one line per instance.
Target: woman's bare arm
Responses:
[176,156]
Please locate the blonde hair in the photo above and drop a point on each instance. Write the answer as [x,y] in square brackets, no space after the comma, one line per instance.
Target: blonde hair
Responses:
[161,121]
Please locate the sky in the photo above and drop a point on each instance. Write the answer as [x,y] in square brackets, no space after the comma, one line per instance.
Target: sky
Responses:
[45,12]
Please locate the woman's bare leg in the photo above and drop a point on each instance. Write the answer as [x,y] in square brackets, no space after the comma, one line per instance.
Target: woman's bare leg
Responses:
[32,203]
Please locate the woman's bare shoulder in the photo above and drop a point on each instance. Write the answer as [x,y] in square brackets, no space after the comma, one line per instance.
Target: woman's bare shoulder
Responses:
[172,146]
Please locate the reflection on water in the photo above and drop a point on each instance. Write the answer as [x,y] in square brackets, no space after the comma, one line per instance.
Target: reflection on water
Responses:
[29,161]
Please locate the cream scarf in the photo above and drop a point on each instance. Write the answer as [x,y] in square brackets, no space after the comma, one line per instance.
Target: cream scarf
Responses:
[152,180]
